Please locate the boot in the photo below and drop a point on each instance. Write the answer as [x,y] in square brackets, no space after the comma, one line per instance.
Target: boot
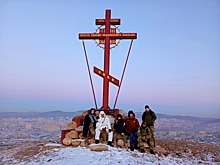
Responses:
[96,141]
[142,151]
[131,148]
[136,147]
[152,152]
[110,144]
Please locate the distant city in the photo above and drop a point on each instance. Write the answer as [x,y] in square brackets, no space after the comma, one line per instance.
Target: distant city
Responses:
[22,127]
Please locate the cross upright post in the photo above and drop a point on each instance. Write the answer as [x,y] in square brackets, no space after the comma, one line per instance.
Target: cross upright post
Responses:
[107,36]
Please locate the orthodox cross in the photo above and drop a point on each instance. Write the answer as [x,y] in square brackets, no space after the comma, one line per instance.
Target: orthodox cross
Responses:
[107,36]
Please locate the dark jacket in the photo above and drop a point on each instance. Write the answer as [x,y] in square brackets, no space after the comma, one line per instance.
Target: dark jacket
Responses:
[119,125]
[86,122]
[149,117]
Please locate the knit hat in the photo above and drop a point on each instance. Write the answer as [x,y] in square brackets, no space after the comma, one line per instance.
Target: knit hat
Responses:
[131,112]
[147,106]
[119,115]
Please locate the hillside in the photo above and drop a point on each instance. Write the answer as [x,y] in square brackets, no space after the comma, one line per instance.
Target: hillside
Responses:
[177,152]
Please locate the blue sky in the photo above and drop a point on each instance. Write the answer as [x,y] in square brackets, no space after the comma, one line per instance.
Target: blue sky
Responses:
[174,65]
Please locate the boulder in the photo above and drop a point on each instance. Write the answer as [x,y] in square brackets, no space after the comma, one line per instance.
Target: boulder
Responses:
[79,129]
[119,137]
[120,143]
[71,125]
[59,140]
[72,135]
[67,141]
[81,136]
[160,150]
[76,143]
[82,143]
[98,147]
[122,112]
[75,118]
[146,145]
[85,113]
[111,118]
[125,118]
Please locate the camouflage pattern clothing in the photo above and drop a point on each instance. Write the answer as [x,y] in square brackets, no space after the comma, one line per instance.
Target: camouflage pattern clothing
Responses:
[145,136]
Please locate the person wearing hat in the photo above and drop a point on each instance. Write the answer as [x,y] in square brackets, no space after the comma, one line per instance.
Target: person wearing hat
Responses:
[145,136]
[149,118]
[119,127]
[103,124]
[132,125]
[89,124]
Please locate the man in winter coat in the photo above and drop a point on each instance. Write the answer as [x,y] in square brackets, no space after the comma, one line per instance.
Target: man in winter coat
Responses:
[132,126]
[103,124]
[145,135]
[149,118]
[119,127]
[89,124]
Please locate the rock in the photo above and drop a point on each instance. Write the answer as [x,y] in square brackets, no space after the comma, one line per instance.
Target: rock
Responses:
[119,137]
[91,141]
[82,143]
[217,159]
[121,143]
[76,143]
[72,135]
[44,148]
[67,141]
[98,147]
[122,112]
[85,113]
[76,118]
[160,150]
[59,140]
[81,136]
[79,129]
[71,125]
[111,118]
[125,118]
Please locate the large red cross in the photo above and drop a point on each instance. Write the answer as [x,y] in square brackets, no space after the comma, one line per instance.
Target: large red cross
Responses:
[107,36]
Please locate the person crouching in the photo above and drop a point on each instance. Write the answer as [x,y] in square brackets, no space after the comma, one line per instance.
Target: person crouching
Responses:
[103,124]
[119,127]
[145,136]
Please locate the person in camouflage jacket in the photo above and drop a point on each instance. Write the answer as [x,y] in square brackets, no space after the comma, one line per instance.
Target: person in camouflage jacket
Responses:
[145,136]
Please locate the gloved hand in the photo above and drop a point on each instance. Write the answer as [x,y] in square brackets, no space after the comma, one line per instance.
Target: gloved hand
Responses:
[109,130]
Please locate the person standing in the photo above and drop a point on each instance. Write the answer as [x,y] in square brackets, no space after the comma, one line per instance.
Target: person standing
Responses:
[132,125]
[89,124]
[149,118]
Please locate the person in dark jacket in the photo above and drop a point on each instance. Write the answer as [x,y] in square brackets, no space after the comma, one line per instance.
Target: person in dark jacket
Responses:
[149,118]
[119,127]
[89,124]
[132,125]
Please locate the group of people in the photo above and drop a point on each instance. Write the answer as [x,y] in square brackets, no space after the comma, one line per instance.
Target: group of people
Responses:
[131,128]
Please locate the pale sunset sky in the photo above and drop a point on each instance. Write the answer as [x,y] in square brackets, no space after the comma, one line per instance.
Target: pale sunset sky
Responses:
[174,65]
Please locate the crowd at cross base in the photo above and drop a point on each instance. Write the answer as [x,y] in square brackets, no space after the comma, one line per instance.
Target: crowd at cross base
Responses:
[128,129]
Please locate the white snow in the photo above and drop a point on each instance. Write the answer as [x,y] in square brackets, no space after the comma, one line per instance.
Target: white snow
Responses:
[82,155]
